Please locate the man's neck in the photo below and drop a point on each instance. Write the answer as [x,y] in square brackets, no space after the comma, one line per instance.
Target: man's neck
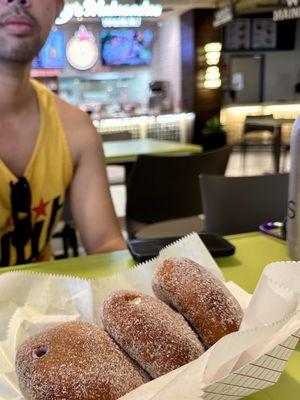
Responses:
[16,90]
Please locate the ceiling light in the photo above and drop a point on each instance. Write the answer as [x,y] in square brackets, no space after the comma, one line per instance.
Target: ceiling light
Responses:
[213,84]
[213,47]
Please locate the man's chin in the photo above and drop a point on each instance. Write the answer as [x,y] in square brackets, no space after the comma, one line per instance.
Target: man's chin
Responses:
[22,51]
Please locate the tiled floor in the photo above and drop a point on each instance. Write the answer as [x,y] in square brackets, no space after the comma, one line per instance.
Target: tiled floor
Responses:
[256,163]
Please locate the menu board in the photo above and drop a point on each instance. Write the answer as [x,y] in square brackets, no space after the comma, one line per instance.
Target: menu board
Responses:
[237,34]
[53,53]
[264,33]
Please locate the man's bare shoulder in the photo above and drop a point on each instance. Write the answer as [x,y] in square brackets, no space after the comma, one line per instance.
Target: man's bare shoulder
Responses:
[72,117]
[78,126]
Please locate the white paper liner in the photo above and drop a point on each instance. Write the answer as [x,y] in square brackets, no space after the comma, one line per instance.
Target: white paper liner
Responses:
[239,364]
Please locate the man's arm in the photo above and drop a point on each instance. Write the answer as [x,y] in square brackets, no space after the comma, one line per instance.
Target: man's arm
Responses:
[90,198]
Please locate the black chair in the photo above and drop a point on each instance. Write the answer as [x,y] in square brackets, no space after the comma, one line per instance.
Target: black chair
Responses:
[164,188]
[67,234]
[240,204]
[254,134]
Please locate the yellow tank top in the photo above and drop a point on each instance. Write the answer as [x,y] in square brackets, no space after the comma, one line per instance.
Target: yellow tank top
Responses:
[26,224]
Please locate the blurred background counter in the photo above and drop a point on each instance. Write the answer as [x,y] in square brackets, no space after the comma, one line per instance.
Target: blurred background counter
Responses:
[233,117]
[175,127]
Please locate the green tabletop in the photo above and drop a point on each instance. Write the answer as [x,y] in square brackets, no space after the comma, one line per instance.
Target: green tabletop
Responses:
[253,252]
[128,150]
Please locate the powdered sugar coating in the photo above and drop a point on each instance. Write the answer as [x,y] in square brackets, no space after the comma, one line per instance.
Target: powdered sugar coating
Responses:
[153,334]
[199,296]
[73,361]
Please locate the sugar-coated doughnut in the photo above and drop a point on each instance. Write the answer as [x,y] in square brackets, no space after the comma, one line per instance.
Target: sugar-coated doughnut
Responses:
[153,334]
[73,361]
[199,296]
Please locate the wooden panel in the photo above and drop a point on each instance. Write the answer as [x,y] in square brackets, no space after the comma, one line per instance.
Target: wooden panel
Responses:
[197,30]
[188,61]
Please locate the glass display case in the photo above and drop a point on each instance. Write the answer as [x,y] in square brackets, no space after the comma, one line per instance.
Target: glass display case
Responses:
[111,93]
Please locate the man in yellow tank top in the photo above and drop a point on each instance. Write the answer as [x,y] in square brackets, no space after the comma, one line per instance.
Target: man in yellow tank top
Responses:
[47,148]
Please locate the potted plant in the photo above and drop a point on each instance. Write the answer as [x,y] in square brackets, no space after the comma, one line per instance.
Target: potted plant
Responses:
[213,134]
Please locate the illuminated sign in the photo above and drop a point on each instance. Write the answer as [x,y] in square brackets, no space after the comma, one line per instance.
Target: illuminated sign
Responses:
[82,51]
[121,22]
[292,11]
[98,8]
[53,53]
[223,16]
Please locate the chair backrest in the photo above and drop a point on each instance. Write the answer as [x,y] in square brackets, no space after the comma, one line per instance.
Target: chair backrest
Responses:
[167,187]
[241,204]
[122,135]
[67,216]
[250,126]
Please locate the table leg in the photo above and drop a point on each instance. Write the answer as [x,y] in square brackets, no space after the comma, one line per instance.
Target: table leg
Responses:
[128,168]
[276,148]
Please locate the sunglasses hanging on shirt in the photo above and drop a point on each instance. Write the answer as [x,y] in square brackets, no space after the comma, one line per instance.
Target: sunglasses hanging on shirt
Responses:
[20,197]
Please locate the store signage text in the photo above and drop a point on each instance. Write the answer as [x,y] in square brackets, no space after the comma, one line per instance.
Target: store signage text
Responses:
[223,16]
[292,11]
[121,22]
[98,8]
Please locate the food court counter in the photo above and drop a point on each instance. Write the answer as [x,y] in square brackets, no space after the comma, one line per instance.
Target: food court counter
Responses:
[175,127]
